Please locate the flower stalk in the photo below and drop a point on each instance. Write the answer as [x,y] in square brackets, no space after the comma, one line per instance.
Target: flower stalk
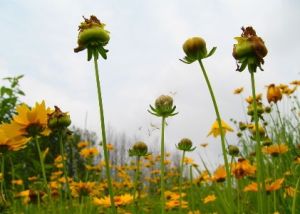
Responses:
[105,150]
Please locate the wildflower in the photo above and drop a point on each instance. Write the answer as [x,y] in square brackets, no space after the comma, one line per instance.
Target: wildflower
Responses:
[79,189]
[176,203]
[82,144]
[139,149]
[250,98]
[32,122]
[185,144]
[58,120]
[29,195]
[273,94]
[276,185]
[18,182]
[187,160]
[238,90]
[120,200]
[295,82]
[209,198]
[288,91]
[215,130]
[195,49]
[220,174]
[252,187]
[249,51]
[163,107]
[11,138]
[289,191]
[243,168]
[233,150]
[275,149]
[93,37]
[89,152]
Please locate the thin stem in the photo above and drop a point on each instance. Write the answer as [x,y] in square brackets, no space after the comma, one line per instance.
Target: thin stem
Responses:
[162,166]
[192,187]
[228,174]
[181,181]
[260,178]
[42,167]
[62,153]
[106,157]
[136,181]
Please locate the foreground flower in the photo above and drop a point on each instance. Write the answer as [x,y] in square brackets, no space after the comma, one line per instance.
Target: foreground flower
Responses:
[32,121]
[215,130]
[120,200]
[249,51]
[11,138]
[163,107]
[93,37]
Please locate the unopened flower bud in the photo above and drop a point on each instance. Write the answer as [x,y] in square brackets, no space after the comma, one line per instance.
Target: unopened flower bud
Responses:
[273,93]
[163,106]
[268,109]
[185,144]
[58,119]
[195,48]
[139,149]
[233,150]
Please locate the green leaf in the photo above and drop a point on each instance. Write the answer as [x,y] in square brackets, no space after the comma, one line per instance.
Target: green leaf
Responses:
[89,53]
[211,52]
[102,52]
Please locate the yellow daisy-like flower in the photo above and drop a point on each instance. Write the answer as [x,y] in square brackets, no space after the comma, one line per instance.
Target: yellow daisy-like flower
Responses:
[209,198]
[215,130]
[32,121]
[120,200]
[89,152]
[275,149]
[238,90]
[11,138]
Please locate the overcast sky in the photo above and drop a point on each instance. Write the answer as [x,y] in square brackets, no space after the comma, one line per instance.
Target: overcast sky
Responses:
[38,37]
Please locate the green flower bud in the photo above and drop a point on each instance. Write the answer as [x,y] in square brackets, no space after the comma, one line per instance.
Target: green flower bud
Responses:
[58,120]
[93,37]
[268,109]
[195,49]
[267,142]
[239,134]
[185,144]
[163,107]
[242,126]
[233,150]
[139,149]
[250,50]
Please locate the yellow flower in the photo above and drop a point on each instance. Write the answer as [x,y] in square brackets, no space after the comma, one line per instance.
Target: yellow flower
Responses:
[215,130]
[209,198]
[82,144]
[250,98]
[176,203]
[32,122]
[220,174]
[11,138]
[238,90]
[120,200]
[275,149]
[17,182]
[89,152]
[273,93]
[295,82]
[187,160]
[288,91]
[243,168]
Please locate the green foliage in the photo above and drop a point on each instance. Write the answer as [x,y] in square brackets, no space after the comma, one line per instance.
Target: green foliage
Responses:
[9,98]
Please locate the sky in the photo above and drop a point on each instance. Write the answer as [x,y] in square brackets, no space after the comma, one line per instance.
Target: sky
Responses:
[38,38]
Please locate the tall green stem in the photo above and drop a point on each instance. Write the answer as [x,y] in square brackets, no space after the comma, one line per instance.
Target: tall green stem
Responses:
[228,174]
[260,178]
[136,181]
[162,166]
[42,167]
[181,181]
[106,157]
